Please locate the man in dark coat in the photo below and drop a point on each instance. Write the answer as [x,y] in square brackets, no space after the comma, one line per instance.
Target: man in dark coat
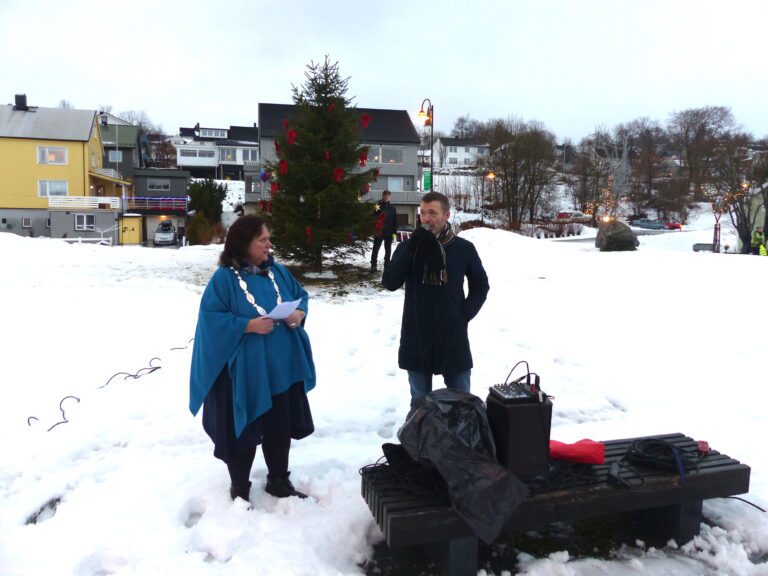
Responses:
[433,264]
[384,229]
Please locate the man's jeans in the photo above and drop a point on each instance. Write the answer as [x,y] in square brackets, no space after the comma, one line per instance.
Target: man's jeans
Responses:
[377,241]
[421,385]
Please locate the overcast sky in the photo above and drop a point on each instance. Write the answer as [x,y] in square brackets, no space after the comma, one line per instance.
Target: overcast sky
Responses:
[571,64]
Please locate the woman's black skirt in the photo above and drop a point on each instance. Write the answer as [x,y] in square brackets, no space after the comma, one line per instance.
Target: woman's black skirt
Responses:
[290,414]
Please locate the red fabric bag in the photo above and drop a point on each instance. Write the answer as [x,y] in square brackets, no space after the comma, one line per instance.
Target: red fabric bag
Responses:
[584,451]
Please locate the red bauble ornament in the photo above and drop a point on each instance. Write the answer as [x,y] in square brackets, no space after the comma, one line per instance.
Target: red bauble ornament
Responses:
[363,157]
[327,156]
[274,187]
[283,167]
[338,174]
[365,119]
[309,233]
[291,137]
[332,107]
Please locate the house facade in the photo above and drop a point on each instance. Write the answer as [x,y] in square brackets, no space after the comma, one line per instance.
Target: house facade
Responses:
[52,178]
[220,153]
[393,145]
[159,194]
[122,150]
[458,152]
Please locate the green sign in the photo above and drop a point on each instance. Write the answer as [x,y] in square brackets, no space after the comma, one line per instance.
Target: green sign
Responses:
[427,180]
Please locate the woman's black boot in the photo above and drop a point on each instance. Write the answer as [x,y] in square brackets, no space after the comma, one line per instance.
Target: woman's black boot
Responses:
[240,491]
[281,487]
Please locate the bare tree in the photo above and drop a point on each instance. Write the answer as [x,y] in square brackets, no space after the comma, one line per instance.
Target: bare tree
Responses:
[65,104]
[695,133]
[738,181]
[466,127]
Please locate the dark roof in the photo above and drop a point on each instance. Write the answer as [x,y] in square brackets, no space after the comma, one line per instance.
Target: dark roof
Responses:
[243,133]
[461,141]
[246,143]
[386,125]
[246,133]
[161,172]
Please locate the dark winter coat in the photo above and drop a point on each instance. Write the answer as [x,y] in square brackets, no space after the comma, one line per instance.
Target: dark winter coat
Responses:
[386,219]
[433,335]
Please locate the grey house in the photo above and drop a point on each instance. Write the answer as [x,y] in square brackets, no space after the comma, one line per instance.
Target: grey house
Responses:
[159,194]
[221,153]
[122,152]
[393,148]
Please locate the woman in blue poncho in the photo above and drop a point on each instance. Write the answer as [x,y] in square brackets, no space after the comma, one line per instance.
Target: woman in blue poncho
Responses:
[250,373]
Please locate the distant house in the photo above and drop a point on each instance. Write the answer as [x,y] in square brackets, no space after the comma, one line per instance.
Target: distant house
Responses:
[221,153]
[393,148]
[458,152]
[52,176]
[122,151]
[159,194]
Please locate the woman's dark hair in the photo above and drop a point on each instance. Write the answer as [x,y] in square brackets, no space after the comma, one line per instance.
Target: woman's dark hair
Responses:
[239,237]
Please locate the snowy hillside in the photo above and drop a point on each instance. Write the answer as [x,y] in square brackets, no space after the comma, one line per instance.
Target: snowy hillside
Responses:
[659,340]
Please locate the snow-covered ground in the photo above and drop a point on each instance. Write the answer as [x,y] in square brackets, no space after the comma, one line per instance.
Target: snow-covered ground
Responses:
[657,340]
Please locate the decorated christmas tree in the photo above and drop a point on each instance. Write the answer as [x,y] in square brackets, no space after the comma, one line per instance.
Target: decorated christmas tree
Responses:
[318,179]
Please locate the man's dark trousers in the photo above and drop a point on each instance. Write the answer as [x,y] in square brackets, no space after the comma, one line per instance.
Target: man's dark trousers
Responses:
[377,240]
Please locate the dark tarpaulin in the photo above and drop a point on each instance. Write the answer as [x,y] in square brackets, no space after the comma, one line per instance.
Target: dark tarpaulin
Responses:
[449,430]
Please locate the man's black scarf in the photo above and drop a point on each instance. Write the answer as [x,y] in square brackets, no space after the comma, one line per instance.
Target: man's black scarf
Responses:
[435,268]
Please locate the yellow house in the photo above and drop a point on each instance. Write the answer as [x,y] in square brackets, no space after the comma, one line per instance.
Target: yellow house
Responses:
[52,182]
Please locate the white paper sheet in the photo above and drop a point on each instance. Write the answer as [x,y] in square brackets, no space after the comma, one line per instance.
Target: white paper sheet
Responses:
[282,311]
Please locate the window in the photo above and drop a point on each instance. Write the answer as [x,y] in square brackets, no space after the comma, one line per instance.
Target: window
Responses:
[227,155]
[85,222]
[26,222]
[452,149]
[467,160]
[250,155]
[466,149]
[395,183]
[48,223]
[47,188]
[391,155]
[212,133]
[55,155]
[187,153]
[206,153]
[453,160]
[158,185]
[374,154]
[115,155]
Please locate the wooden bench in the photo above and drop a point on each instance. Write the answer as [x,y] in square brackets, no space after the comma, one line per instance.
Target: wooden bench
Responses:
[663,507]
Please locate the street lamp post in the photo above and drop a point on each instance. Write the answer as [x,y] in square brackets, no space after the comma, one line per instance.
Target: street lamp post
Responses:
[428,116]
[490,176]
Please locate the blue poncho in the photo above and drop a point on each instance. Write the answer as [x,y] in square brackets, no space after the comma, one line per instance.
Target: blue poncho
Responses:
[260,365]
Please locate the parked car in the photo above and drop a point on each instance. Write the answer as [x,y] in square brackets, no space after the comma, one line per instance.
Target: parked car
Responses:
[672,225]
[649,224]
[572,216]
[404,232]
[165,235]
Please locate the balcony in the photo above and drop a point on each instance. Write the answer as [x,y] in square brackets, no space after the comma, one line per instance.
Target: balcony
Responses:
[109,173]
[84,203]
[147,203]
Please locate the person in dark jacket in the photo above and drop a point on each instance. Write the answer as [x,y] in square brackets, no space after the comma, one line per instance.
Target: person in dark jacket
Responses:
[384,229]
[433,264]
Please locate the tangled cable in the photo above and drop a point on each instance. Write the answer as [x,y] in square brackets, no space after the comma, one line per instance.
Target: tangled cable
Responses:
[139,373]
